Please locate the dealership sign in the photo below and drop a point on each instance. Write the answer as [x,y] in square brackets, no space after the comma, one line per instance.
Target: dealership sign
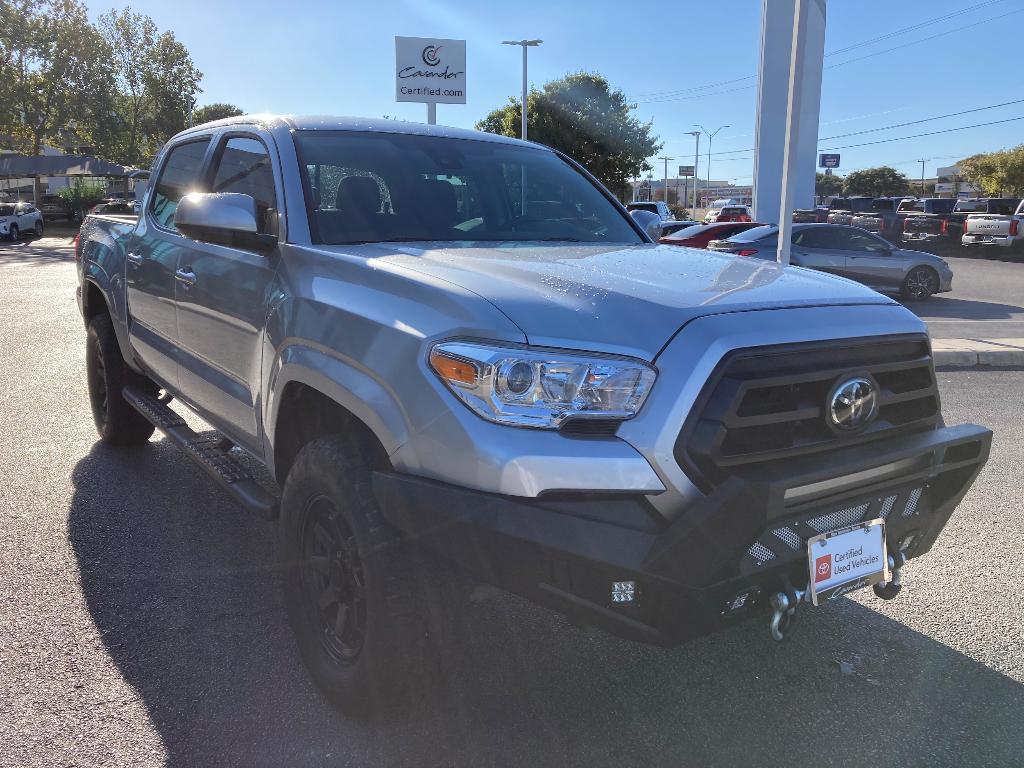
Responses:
[828,161]
[685,170]
[430,70]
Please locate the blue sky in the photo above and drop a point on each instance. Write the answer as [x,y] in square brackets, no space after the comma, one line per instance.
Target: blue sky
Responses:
[337,58]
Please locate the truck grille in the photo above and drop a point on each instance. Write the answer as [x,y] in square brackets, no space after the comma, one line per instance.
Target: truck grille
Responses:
[767,404]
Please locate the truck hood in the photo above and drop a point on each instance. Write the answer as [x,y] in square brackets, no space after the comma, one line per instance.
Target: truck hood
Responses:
[628,300]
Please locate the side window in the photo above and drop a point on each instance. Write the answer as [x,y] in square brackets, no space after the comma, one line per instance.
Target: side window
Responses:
[813,237]
[179,175]
[858,241]
[245,167]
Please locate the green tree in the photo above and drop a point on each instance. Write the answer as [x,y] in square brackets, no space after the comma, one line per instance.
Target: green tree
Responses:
[156,83]
[996,173]
[827,186]
[583,117]
[876,182]
[212,112]
[50,68]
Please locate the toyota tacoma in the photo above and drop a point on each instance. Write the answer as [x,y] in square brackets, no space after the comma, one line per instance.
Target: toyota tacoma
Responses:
[455,347]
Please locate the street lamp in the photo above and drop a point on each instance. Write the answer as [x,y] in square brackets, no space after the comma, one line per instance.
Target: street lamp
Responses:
[525,44]
[710,137]
[696,158]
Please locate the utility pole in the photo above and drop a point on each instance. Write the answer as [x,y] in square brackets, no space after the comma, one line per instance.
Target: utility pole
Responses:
[922,162]
[525,44]
[666,159]
[696,157]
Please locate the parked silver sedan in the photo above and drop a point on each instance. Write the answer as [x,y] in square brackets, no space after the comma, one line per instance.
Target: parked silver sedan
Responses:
[851,253]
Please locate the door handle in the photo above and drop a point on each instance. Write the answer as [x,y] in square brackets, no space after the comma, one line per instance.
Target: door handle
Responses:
[136,258]
[186,276]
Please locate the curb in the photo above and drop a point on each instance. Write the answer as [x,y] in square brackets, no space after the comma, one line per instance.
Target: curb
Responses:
[1006,354]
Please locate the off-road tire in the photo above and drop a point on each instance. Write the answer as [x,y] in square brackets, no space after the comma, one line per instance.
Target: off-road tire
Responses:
[117,422]
[329,485]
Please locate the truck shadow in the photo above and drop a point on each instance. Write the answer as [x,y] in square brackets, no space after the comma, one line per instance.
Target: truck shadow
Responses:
[962,309]
[181,584]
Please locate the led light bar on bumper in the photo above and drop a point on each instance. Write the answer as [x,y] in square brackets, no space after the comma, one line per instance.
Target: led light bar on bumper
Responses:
[541,388]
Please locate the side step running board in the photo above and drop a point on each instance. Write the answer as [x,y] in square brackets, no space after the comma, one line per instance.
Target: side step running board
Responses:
[208,452]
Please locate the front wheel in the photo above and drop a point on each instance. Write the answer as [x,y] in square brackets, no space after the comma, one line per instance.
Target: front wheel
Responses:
[39,229]
[919,284]
[14,234]
[350,586]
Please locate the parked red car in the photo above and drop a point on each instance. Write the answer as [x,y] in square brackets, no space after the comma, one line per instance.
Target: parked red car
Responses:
[700,235]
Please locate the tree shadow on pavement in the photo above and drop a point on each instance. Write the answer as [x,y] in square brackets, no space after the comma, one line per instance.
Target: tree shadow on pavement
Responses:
[181,584]
[46,251]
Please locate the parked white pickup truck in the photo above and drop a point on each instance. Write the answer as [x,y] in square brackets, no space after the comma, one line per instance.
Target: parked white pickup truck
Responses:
[997,230]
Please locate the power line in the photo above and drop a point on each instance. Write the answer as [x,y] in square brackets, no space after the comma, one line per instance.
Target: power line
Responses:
[922,120]
[677,95]
[930,133]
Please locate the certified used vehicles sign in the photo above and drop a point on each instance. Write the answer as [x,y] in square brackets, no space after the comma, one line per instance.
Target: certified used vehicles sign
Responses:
[848,559]
[430,69]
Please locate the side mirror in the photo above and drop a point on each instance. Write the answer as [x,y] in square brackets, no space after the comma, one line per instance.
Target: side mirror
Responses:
[649,223]
[226,218]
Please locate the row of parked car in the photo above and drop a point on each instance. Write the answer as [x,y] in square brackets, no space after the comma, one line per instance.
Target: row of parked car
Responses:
[23,219]
[839,249]
[986,226]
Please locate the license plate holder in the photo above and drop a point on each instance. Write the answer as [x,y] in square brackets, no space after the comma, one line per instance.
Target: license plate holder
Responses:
[847,559]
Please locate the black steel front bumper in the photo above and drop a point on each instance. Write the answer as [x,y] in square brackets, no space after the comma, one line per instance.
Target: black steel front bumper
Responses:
[736,545]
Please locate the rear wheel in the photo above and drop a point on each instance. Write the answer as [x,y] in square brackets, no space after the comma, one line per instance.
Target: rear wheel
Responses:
[919,284]
[117,422]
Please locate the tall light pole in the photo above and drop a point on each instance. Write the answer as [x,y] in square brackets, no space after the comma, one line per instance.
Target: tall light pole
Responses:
[922,162]
[696,158]
[710,137]
[525,44]
[666,159]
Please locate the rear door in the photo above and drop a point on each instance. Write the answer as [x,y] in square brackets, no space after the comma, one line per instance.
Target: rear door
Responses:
[870,259]
[223,294]
[153,255]
[814,247]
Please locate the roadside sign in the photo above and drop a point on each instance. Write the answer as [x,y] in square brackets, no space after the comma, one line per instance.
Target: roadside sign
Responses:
[828,171]
[828,161]
[685,171]
[430,70]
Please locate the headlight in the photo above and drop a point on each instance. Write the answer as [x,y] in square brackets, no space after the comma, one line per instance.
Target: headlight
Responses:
[540,388]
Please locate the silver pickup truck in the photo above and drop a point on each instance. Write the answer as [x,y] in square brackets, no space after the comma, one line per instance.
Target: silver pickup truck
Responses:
[453,346]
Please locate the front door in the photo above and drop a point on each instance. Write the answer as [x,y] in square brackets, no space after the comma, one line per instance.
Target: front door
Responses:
[152,259]
[814,247]
[223,294]
[870,259]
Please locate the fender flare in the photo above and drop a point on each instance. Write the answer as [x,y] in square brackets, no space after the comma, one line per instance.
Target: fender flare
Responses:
[342,381]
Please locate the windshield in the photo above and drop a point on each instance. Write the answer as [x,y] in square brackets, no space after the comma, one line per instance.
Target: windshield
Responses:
[383,187]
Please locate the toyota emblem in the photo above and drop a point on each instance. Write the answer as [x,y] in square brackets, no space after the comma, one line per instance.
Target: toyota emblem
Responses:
[853,404]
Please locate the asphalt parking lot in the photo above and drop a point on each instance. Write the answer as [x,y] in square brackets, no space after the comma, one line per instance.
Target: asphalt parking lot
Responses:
[140,622]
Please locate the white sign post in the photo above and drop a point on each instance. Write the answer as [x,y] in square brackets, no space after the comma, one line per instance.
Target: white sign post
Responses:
[431,70]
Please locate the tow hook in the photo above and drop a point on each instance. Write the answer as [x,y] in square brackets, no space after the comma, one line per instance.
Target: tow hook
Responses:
[889,590]
[784,606]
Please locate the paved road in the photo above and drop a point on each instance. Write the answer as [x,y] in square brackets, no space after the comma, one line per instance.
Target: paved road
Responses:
[140,623]
[987,302]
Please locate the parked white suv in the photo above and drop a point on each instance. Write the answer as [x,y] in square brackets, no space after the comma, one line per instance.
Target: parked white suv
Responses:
[654,206]
[17,219]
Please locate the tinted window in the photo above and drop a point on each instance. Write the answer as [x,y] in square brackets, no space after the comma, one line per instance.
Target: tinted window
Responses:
[6,210]
[912,205]
[813,237]
[852,240]
[379,187]
[971,206]
[839,204]
[180,175]
[942,206]
[883,205]
[1003,207]
[244,167]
